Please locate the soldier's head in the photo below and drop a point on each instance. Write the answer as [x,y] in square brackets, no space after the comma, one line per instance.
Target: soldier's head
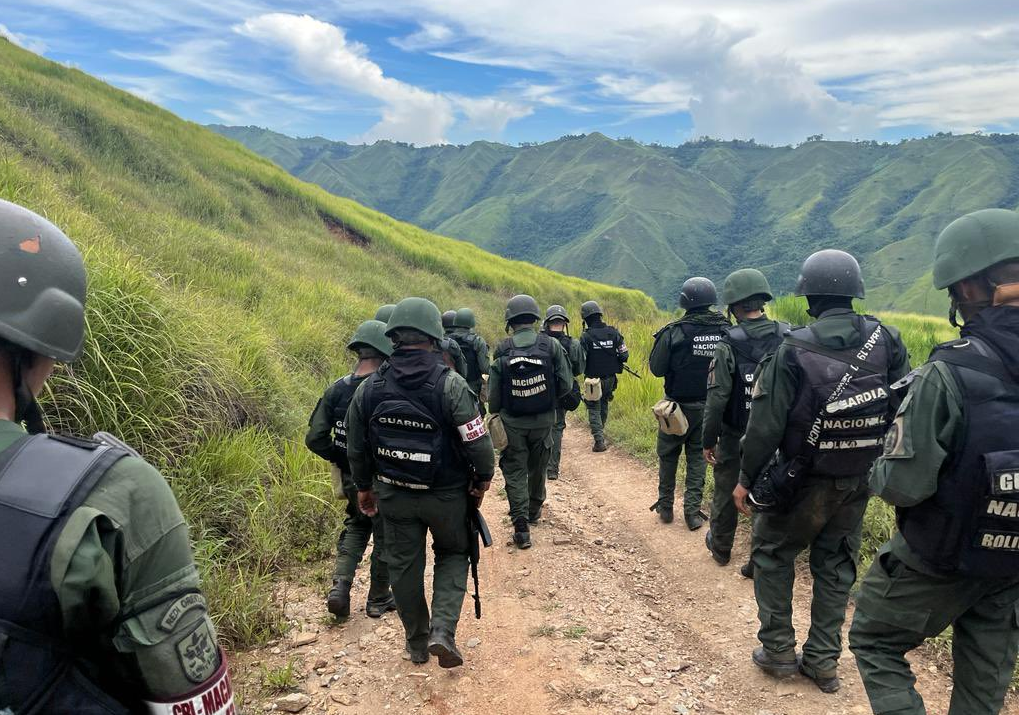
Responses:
[976,258]
[521,312]
[370,343]
[697,294]
[745,292]
[384,311]
[830,279]
[448,320]
[590,312]
[415,324]
[42,308]
[557,320]
[464,319]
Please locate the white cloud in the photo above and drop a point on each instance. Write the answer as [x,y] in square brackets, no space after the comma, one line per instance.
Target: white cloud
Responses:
[29,43]
[431,34]
[490,114]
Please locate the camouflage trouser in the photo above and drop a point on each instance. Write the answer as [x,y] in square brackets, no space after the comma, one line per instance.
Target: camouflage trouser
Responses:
[826,516]
[899,607]
[557,441]
[358,531]
[724,516]
[669,449]
[598,412]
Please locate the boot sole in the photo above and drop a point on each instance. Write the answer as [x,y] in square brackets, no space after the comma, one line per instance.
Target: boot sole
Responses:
[447,658]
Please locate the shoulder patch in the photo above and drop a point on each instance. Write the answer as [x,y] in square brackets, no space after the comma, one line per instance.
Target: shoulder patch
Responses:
[906,381]
[895,439]
[711,372]
[197,653]
[172,615]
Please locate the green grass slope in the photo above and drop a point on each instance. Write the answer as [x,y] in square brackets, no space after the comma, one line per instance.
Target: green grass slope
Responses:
[650,216]
[222,293]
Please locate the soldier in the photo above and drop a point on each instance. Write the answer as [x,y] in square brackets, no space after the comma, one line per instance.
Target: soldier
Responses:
[556,325]
[730,385]
[682,355]
[951,469]
[418,451]
[448,321]
[327,437]
[605,353]
[384,311]
[819,410]
[530,371]
[100,607]
[474,349]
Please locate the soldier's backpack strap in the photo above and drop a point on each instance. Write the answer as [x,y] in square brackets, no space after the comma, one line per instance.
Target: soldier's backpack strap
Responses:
[840,355]
[982,358]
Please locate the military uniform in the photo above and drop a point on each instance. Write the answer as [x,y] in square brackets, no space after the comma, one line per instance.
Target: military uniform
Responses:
[475,354]
[827,510]
[575,354]
[605,352]
[454,356]
[682,354]
[525,460]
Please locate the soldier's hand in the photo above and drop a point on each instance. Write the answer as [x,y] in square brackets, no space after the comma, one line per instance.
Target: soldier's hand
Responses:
[368,502]
[709,455]
[739,496]
[478,490]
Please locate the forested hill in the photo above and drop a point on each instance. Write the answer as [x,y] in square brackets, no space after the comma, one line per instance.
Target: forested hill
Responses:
[650,216]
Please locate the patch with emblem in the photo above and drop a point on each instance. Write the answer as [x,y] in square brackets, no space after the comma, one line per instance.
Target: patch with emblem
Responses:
[711,373]
[197,653]
[895,439]
[178,608]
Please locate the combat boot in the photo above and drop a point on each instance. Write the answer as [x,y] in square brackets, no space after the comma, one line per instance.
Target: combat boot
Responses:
[521,534]
[415,654]
[696,520]
[378,605]
[747,570]
[665,513]
[442,645]
[338,600]
[599,446]
[827,681]
[720,557]
[552,476]
[779,665]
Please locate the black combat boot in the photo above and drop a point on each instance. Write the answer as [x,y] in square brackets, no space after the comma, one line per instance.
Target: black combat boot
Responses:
[720,557]
[552,476]
[416,655]
[442,645]
[747,570]
[696,520]
[378,605]
[599,446]
[827,681]
[778,665]
[339,599]
[521,534]
[664,510]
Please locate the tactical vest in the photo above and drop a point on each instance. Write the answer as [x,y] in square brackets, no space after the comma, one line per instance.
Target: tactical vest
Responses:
[971,524]
[343,393]
[410,441]
[851,432]
[467,343]
[528,381]
[689,362]
[748,353]
[43,479]
[602,356]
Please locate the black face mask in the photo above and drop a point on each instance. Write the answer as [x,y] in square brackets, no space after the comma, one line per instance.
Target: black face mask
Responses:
[26,408]
[953,310]
[818,304]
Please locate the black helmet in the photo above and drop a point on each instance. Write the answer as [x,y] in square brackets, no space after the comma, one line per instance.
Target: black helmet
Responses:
[589,310]
[830,272]
[42,286]
[448,319]
[697,293]
[522,305]
[556,312]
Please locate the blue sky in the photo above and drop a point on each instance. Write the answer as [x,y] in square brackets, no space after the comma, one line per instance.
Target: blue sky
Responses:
[432,71]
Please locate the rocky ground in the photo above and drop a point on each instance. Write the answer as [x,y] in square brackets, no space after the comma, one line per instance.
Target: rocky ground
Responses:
[610,612]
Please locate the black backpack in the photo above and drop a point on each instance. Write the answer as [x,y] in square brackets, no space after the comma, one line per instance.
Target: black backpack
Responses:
[528,377]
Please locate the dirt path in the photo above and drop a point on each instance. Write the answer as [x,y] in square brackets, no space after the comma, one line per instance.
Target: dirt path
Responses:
[610,612]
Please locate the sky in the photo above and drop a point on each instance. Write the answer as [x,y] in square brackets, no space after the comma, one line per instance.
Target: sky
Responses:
[455,71]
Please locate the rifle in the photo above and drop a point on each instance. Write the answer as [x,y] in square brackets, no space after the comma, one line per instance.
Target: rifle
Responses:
[479,533]
[633,372]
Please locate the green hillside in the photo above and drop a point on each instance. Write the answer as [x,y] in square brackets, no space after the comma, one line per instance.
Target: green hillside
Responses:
[222,293]
[651,216]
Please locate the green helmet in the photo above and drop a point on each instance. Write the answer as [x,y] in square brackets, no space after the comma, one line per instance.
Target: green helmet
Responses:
[830,272]
[418,314]
[522,305]
[556,312]
[973,243]
[384,311]
[743,284]
[448,318]
[371,333]
[42,286]
[589,309]
[697,292]
[464,318]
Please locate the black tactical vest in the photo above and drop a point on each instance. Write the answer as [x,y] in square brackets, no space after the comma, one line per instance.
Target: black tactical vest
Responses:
[748,352]
[43,479]
[410,441]
[343,393]
[689,362]
[528,380]
[602,355]
[971,524]
[466,341]
[852,429]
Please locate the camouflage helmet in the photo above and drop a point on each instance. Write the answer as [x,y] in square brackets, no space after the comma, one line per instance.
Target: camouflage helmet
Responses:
[448,318]
[520,306]
[371,333]
[42,286]
[417,314]
[697,292]
[830,272]
[384,311]
[973,243]
[556,312]
[743,284]
[589,309]
[464,318]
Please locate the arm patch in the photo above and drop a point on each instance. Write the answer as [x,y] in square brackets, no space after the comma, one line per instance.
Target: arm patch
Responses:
[473,430]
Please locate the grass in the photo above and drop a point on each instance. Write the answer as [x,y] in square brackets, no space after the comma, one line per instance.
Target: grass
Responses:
[222,293]
[280,679]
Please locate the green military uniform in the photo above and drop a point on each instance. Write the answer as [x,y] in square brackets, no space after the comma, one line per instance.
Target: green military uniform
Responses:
[482,365]
[524,462]
[724,517]
[670,447]
[575,355]
[456,356]
[826,514]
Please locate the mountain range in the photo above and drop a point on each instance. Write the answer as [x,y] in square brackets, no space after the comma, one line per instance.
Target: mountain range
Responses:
[650,216]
